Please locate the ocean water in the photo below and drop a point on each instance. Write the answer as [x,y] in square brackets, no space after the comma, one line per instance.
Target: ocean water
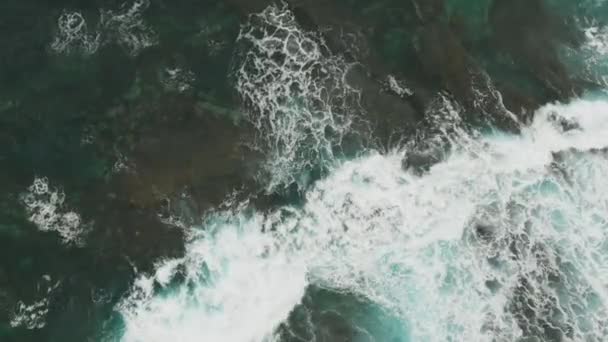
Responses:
[504,237]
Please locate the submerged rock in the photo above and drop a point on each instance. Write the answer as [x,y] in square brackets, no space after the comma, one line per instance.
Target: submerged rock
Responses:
[528,32]
[391,116]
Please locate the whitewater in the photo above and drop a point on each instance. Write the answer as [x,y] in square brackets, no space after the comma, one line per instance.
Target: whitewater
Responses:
[504,239]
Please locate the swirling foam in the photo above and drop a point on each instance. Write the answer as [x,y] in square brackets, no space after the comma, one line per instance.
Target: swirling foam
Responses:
[295,89]
[45,208]
[33,315]
[507,238]
[590,60]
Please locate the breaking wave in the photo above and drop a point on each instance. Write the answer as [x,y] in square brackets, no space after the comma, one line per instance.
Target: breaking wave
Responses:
[125,27]
[505,239]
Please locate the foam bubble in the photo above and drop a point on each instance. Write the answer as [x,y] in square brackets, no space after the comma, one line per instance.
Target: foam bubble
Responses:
[398,87]
[46,209]
[596,49]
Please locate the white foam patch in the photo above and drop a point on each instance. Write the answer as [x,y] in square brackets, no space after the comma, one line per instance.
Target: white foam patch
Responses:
[73,35]
[299,100]
[503,240]
[126,27]
[45,207]
[33,316]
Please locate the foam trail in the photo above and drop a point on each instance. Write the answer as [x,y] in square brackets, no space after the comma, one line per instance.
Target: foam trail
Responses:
[505,239]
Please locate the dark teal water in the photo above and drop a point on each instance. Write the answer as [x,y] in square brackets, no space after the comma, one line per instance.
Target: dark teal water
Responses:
[135,116]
